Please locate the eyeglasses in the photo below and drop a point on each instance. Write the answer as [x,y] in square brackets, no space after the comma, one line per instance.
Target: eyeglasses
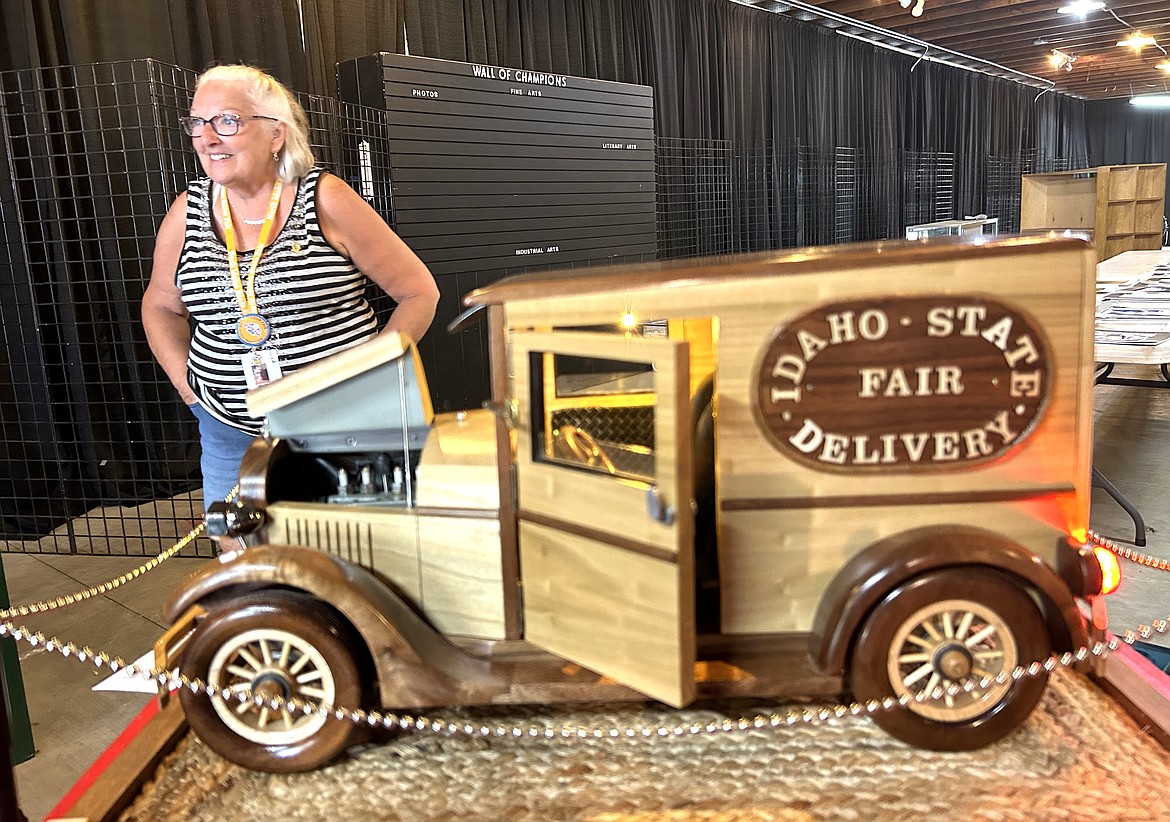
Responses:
[225,125]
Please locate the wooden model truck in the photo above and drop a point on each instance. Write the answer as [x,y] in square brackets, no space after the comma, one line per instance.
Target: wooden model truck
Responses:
[856,469]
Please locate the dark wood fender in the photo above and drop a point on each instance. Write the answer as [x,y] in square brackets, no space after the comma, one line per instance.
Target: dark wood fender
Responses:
[415,665]
[866,579]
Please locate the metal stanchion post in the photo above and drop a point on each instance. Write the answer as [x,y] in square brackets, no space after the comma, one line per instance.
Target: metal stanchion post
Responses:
[9,809]
[15,731]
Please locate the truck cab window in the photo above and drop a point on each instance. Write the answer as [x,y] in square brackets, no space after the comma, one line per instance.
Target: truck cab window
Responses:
[594,415]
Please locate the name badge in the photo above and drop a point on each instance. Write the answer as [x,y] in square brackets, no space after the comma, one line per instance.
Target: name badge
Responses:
[261,366]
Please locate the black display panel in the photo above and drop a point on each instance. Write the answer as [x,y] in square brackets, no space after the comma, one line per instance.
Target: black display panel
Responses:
[497,170]
[494,168]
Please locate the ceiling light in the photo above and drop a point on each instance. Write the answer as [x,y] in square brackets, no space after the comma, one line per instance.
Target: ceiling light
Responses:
[1151,101]
[1137,41]
[1060,60]
[1081,7]
[918,6]
[1163,66]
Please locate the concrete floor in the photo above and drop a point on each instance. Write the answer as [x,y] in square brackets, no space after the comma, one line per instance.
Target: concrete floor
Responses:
[72,724]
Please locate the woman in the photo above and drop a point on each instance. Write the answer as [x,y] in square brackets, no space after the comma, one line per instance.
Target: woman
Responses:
[270,257]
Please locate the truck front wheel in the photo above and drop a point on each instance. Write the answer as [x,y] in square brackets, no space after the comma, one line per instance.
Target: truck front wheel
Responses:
[272,643]
[952,630]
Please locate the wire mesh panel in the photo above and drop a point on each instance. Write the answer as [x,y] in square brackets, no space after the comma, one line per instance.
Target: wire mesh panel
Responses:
[1039,161]
[715,197]
[817,195]
[754,220]
[363,159]
[693,179]
[31,495]
[928,190]
[91,171]
[101,457]
[1003,182]
[1003,190]
[718,198]
[882,176]
[353,142]
[845,183]
[787,202]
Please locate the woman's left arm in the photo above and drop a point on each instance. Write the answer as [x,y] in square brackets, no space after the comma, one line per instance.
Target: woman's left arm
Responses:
[355,229]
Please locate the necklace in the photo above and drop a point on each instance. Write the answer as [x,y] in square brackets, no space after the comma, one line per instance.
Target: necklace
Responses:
[244,220]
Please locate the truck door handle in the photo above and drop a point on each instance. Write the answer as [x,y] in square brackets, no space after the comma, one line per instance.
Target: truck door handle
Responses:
[508,411]
[657,508]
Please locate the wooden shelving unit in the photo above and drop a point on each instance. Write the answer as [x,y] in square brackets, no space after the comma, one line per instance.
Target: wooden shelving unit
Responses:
[1120,206]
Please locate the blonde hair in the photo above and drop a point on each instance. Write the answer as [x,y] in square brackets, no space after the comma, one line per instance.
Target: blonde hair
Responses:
[271,99]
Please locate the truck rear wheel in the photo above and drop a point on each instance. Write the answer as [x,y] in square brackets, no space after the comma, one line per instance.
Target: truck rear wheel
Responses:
[952,628]
[272,643]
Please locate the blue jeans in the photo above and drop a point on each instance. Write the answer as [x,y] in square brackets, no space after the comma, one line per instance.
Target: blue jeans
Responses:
[223,448]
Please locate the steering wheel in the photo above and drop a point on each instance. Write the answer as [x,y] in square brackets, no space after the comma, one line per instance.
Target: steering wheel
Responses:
[586,449]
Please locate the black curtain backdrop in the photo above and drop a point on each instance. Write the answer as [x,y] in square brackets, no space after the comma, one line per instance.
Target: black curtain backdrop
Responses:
[720,71]
[1119,133]
[300,44]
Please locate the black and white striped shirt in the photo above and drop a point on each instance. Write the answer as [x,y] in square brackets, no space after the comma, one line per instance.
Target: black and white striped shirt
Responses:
[311,295]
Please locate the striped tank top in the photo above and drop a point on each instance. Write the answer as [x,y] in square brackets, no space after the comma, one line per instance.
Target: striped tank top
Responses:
[311,295]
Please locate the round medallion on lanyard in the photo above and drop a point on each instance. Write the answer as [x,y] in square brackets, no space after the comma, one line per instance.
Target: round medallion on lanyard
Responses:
[253,329]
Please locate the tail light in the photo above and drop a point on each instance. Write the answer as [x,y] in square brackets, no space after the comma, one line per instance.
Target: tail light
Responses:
[1110,569]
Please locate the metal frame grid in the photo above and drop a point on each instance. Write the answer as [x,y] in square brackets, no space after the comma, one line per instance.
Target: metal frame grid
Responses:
[928,193]
[355,145]
[718,198]
[694,203]
[755,212]
[1003,190]
[1003,182]
[845,184]
[91,170]
[100,455]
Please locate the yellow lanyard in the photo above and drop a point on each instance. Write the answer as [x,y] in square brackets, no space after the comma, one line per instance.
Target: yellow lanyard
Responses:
[247,299]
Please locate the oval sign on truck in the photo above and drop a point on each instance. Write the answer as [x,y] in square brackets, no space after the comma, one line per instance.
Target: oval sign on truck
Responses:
[918,384]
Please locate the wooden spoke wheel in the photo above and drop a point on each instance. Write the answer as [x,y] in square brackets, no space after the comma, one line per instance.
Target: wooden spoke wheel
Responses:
[272,644]
[953,628]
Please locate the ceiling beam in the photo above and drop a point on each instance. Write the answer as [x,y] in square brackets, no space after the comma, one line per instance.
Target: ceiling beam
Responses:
[999,37]
[926,28]
[946,9]
[987,42]
[1106,49]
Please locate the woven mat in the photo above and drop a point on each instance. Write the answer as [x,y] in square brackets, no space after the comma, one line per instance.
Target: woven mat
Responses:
[1079,757]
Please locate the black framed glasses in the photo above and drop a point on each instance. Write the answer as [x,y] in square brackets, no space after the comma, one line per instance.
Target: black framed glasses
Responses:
[225,125]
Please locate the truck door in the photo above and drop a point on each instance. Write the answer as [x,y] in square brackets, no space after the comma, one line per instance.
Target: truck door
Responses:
[603,475]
